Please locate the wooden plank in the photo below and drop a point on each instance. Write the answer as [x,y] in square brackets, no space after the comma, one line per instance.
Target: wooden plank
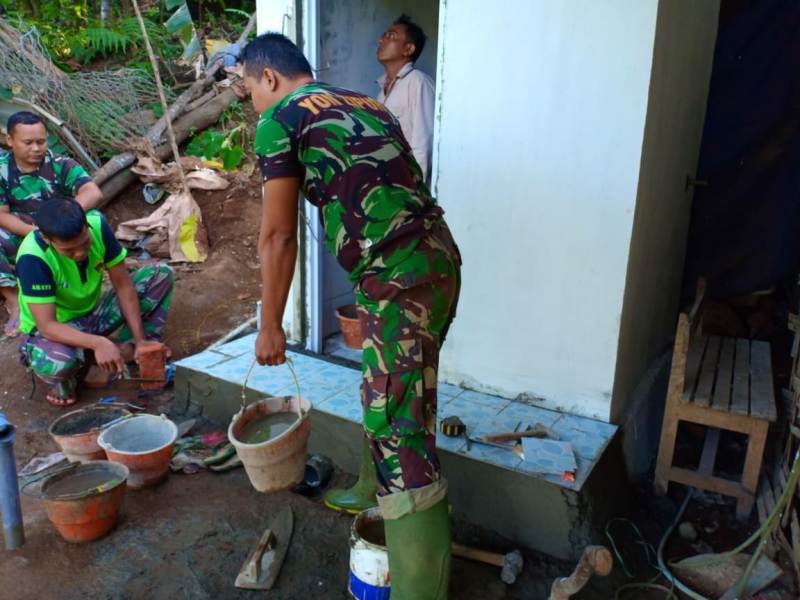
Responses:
[708,371]
[712,484]
[709,456]
[740,396]
[767,493]
[721,399]
[763,514]
[713,418]
[697,347]
[762,397]
[794,527]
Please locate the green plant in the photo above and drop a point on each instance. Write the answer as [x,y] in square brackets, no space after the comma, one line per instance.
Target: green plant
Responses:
[211,145]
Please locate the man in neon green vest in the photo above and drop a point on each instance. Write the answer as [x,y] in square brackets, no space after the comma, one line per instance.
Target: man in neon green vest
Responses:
[63,310]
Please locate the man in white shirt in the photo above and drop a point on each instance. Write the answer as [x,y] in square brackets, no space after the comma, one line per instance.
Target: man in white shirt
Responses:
[405,90]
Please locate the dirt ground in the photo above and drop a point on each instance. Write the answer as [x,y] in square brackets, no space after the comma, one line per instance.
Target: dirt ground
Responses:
[188,537]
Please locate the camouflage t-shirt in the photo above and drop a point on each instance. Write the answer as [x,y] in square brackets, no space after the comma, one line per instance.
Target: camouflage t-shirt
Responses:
[23,193]
[356,166]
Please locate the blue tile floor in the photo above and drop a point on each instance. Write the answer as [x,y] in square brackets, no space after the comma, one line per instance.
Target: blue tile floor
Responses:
[334,389]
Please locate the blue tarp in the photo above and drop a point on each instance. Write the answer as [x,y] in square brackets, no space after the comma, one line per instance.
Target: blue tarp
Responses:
[745,229]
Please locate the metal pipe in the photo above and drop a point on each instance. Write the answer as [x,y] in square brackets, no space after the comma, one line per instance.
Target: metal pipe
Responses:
[13,531]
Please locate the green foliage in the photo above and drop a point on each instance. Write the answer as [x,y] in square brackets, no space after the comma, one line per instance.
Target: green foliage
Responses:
[227,145]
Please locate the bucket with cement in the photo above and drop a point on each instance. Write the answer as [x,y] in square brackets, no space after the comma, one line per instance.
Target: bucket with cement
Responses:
[369,561]
[77,431]
[84,500]
[271,438]
[143,444]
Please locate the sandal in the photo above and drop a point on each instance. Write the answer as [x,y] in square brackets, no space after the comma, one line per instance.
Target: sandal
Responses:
[11,329]
[55,399]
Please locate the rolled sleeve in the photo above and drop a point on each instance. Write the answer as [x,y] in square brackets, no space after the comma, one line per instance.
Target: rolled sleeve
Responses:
[73,175]
[114,253]
[36,282]
[276,150]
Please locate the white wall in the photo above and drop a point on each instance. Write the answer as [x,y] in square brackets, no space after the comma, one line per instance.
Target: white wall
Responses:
[684,51]
[542,111]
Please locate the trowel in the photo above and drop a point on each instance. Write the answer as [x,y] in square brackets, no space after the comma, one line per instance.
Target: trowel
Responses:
[262,567]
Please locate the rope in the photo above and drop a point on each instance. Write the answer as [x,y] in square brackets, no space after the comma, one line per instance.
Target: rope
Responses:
[290,364]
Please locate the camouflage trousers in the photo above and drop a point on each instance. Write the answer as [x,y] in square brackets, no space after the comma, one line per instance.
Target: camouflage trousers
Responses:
[59,365]
[405,313]
[9,244]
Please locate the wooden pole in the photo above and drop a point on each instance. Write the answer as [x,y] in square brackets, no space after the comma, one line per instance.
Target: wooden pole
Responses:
[162,96]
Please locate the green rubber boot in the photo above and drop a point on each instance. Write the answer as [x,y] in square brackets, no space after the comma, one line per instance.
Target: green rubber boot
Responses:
[419,553]
[362,495]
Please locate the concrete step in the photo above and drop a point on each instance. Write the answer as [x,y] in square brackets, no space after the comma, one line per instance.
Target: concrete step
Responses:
[489,486]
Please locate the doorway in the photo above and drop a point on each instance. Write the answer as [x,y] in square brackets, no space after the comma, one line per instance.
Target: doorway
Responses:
[348,32]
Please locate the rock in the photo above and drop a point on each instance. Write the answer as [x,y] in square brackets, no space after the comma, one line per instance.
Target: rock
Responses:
[687,531]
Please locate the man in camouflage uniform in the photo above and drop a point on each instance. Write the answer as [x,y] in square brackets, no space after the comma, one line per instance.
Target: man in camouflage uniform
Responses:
[29,175]
[347,154]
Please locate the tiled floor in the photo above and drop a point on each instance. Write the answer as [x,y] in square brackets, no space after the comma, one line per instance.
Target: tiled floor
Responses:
[334,389]
[335,346]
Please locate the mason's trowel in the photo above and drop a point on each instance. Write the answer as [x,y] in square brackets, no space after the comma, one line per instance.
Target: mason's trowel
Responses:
[262,567]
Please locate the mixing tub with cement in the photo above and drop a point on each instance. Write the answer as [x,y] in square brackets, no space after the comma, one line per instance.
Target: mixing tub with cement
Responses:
[77,431]
[143,444]
[83,502]
[271,437]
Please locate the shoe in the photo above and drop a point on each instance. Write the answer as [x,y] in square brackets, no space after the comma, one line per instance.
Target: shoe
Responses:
[419,553]
[362,495]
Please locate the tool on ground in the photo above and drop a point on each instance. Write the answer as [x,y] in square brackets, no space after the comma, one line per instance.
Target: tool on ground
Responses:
[262,567]
[454,427]
[510,563]
[538,431]
[595,560]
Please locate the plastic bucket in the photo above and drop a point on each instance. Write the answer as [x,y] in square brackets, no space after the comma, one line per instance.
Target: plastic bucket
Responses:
[76,432]
[278,463]
[350,326]
[83,512]
[143,444]
[369,561]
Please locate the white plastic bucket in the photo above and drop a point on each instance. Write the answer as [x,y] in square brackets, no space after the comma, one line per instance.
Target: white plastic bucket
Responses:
[143,444]
[369,561]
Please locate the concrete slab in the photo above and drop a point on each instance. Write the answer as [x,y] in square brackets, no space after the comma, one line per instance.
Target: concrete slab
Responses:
[491,487]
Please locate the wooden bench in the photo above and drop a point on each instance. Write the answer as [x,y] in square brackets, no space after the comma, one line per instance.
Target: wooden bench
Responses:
[722,383]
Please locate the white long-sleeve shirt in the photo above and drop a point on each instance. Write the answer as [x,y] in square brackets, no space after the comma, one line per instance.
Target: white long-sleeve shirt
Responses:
[411,100]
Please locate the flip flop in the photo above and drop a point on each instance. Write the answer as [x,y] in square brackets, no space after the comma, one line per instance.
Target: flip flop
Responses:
[55,400]
[11,329]
[233,462]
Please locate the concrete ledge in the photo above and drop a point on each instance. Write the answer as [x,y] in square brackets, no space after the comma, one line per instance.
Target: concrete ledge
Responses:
[490,487]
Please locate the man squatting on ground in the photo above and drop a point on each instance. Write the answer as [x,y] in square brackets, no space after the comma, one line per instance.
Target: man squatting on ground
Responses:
[347,154]
[64,311]
[29,175]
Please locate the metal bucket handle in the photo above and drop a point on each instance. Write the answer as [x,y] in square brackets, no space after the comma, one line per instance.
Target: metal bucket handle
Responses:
[289,364]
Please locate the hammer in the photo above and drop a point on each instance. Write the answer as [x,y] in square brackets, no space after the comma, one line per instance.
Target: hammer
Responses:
[510,563]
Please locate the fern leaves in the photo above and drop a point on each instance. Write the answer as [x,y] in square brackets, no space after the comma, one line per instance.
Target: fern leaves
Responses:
[107,41]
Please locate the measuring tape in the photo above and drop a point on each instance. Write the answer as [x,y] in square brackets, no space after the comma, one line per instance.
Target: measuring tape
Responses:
[452,426]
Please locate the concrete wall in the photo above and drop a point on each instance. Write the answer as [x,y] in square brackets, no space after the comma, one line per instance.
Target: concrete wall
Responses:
[349,32]
[541,112]
[686,33]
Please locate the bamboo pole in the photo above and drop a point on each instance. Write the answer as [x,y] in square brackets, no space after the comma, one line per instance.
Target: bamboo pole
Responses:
[162,96]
